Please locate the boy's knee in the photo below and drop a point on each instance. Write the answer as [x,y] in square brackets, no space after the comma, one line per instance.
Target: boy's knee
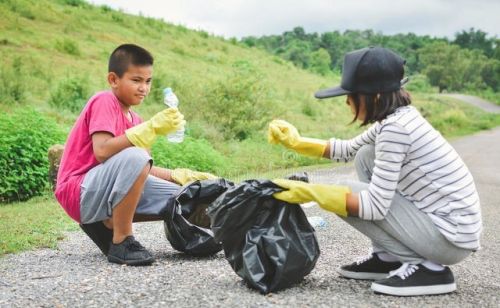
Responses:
[135,157]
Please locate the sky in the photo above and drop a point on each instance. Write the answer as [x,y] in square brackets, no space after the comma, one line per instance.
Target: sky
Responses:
[240,18]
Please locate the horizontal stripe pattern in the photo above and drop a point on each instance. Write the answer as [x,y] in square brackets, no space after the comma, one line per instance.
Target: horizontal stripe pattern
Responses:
[414,159]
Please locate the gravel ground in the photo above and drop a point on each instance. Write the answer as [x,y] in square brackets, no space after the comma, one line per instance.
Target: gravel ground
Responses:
[76,274]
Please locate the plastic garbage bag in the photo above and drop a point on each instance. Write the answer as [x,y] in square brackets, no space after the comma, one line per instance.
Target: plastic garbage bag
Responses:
[186,224]
[268,242]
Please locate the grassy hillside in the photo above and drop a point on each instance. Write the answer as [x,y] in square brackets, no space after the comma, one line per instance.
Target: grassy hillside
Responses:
[51,50]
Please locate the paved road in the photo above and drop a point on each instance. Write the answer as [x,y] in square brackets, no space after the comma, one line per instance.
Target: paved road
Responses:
[476,101]
[76,274]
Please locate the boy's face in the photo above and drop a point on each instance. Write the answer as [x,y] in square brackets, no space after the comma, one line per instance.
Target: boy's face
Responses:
[133,86]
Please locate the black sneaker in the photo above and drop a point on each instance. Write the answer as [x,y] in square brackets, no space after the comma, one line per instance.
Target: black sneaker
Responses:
[130,252]
[370,268]
[99,234]
[411,280]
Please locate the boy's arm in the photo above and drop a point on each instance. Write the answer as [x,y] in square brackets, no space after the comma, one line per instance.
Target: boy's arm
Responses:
[162,173]
[105,145]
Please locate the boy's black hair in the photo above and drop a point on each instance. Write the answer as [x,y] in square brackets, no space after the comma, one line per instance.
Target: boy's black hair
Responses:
[127,54]
[379,106]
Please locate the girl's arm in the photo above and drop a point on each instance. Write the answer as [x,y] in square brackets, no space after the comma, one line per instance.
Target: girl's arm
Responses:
[346,149]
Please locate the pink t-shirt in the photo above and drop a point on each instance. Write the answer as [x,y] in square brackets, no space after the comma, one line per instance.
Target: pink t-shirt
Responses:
[101,114]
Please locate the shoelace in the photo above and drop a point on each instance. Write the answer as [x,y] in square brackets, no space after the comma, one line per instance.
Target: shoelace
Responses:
[135,245]
[404,271]
[364,259]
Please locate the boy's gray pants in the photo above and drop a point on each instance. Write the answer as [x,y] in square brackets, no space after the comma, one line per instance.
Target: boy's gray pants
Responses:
[105,185]
[406,232]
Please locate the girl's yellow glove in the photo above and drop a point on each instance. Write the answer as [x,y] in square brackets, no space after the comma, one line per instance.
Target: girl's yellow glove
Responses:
[164,122]
[280,131]
[329,197]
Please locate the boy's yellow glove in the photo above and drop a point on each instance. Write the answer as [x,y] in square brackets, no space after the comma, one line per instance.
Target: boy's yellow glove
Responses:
[329,197]
[162,123]
[280,131]
[183,176]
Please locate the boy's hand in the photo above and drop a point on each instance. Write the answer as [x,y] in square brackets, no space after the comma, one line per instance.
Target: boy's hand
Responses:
[280,131]
[183,176]
[167,121]
[329,197]
[162,123]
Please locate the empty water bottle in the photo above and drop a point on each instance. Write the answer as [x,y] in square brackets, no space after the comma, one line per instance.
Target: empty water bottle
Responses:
[171,100]
[317,222]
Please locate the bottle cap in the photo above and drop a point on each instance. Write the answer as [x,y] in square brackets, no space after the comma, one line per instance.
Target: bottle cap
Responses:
[167,91]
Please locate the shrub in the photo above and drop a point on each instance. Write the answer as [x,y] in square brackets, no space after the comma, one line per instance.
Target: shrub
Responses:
[68,46]
[70,94]
[308,109]
[23,8]
[13,82]
[240,104]
[420,83]
[25,137]
[75,3]
[196,154]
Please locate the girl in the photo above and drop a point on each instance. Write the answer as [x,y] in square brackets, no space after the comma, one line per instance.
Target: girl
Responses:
[416,200]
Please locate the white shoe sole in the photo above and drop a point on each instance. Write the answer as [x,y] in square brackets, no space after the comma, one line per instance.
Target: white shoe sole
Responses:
[414,291]
[362,275]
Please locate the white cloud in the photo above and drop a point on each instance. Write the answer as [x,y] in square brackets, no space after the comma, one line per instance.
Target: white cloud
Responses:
[242,18]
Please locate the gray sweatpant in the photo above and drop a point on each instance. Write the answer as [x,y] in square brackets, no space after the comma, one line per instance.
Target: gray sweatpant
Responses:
[406,232]
[105,185]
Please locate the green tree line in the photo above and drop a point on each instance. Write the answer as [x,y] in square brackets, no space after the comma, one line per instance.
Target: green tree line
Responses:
[469,62]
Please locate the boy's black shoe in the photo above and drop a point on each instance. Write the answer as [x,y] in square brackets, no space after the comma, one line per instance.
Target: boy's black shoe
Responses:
[99,234]
[411,280]
[130,252]
[370,268]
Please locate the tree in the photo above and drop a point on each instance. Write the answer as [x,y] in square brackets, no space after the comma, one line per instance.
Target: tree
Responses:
[449,67]
[442,65]
[320,61]
[475,39]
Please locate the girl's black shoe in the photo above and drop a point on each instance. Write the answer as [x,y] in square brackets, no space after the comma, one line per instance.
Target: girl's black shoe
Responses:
[369,268]
[412,280]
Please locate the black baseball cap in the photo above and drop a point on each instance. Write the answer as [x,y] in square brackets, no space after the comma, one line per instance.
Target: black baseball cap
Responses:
[369,70]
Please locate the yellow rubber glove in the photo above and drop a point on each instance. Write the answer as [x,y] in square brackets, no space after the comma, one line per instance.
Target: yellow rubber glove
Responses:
[280,131]
[183,176]
[329,197]
[164,122]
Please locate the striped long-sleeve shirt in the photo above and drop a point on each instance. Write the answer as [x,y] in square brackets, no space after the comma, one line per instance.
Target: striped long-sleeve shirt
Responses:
[412,158]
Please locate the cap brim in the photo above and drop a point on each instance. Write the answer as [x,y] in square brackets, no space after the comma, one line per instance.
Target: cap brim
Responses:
[332,92]
[338,91]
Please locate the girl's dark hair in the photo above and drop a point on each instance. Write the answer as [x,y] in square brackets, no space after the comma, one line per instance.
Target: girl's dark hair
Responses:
[127,54]
[379,106]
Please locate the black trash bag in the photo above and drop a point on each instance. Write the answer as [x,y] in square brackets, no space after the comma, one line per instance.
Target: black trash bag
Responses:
[269,243]
[186,224]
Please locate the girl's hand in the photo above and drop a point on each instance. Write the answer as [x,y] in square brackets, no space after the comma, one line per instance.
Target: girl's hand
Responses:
[280,131]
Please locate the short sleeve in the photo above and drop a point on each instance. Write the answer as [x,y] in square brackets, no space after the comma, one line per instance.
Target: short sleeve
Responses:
[103,115]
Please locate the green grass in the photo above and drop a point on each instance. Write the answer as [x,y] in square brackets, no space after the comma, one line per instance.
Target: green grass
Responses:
[39,222]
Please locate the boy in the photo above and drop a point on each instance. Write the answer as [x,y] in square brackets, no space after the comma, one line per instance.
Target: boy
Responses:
[106,174]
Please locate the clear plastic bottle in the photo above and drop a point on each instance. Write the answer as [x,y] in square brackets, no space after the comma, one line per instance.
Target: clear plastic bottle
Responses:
[171,100]
[317,222]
